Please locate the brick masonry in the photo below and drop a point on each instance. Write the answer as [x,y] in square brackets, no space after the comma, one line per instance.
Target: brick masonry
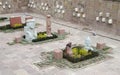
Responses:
[15,20]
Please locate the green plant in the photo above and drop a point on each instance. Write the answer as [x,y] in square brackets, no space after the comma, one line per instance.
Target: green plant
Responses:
[83,52]
[75,51]
[76,56]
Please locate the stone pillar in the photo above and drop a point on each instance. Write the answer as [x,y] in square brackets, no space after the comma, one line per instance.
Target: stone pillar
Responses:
[100,46]
[58,54]
[48,25]
[18,39]
[61,31]
[69,49]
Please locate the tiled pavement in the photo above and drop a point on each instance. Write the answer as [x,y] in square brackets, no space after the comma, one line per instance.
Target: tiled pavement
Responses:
[18,59]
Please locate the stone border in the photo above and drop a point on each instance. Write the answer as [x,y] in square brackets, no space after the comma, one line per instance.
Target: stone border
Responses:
[64,63]
[23,42]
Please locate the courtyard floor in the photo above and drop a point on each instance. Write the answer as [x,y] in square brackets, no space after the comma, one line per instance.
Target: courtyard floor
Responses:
[18,59]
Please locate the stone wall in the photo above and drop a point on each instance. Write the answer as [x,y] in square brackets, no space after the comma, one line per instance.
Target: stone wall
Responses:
[16,6]
[92,8]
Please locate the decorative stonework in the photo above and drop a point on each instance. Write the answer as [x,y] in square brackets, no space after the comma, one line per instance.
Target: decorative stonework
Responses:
[104,19]
[59,9]
[79,12]
[29,30]
[31,4]
[48,25]
[44,6]
[88,44]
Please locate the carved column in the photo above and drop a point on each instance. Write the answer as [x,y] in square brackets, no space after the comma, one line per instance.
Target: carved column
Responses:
[48,25]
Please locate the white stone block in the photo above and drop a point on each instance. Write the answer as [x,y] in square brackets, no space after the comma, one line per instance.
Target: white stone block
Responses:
[0,3]
[9,6]
[32,2]
[107,14]
[78,14]
[61,7]
[97,18]
[84,15]
[55,10]
[63,11]
[74,14]
[103,19]
[45,4]
[46,8]
[57,6]
[6,2]
[101,14]
[110,21]
[4,6]
[76,9]
[31,5]
[58,10]
[34,6]
[28,5]
[43,8]
[42,4]
[82,10]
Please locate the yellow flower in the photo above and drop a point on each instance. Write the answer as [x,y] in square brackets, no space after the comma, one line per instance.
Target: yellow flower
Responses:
[17,25]
[42,35]
[83,52]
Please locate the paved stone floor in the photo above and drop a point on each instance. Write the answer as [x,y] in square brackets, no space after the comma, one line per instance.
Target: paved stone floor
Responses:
[18,59]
